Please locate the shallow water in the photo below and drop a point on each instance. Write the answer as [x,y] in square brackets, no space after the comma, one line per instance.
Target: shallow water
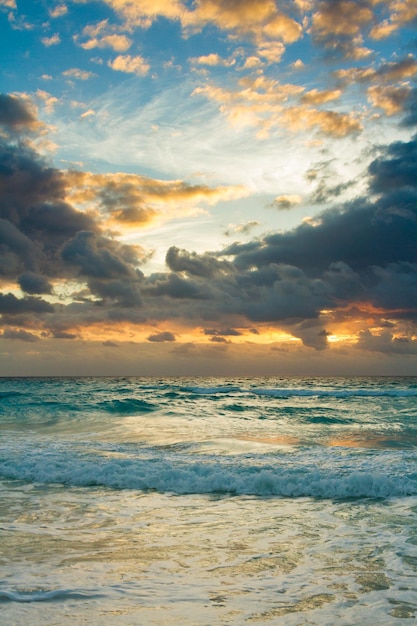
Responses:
[209,501]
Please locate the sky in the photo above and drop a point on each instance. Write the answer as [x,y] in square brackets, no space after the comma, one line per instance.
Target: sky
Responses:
[208,187]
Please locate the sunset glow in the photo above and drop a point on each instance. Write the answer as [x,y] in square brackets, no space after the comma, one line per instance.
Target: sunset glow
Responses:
[199,181]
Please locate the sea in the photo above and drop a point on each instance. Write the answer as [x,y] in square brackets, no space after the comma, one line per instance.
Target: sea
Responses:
[208,501]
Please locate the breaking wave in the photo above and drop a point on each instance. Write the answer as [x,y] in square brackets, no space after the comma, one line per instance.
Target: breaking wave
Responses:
[319,477]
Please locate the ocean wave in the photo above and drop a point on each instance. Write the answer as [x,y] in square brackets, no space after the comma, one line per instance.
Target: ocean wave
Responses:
[212,391]
[336,393]
[4,395]
[56,595]
[183,475]
[306,392]
[128,406]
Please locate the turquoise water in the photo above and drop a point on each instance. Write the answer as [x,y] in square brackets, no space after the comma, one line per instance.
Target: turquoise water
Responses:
[208,501]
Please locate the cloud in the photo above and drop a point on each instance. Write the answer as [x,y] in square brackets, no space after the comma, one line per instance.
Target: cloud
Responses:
[223,332]
[317,97]
[22,335]
[355,261]
[213,60]
[142,13]
[118,43]
[402,13]
[16,115]
[48,100]
[8,4]
[130,200]
[258,19]
[244,228]
[98,257]
[51,41]
[10,305]
[34,283]
[387,343]
[286,202]
[337,26]
[161,337]
[266,103]
[130,65]
[204,266]
[391,99]
[104,35]
[78,74]
[59,11]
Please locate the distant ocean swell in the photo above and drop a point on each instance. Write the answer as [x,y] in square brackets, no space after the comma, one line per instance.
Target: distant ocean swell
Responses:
[150,398]
[339,477]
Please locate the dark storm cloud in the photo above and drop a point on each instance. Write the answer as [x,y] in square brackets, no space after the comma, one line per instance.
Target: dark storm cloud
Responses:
[410,110]
[14,114]
[96,256]
[360,234]
[361,252]
[223,332]
[34,283]
[387,343]
[204,266]
[21,335]
[125,293]
[217,339]
[176,287]
[43,238]
[35,220]
[161,337]
[62,334]
[10,305]
[396,170]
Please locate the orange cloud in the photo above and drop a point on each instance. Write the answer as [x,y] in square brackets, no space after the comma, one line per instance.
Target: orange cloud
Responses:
[266,103]
[402,12]
[320,97]
[258,19]
[212,60]
[390,99]
[132,200]
[340,18]
[130,65]
[141,13]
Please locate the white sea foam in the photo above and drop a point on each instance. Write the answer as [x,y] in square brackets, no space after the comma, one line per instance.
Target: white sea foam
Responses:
[299,476]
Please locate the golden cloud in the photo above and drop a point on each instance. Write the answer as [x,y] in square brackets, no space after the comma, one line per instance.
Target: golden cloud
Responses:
[266,103]
[272,51]
[340,18]
[320,97]
[143,12]
[119,43]
[328,122]
[130,65]
[390,99]
[213,60]
[132,200]
[258,19]
[402,12]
